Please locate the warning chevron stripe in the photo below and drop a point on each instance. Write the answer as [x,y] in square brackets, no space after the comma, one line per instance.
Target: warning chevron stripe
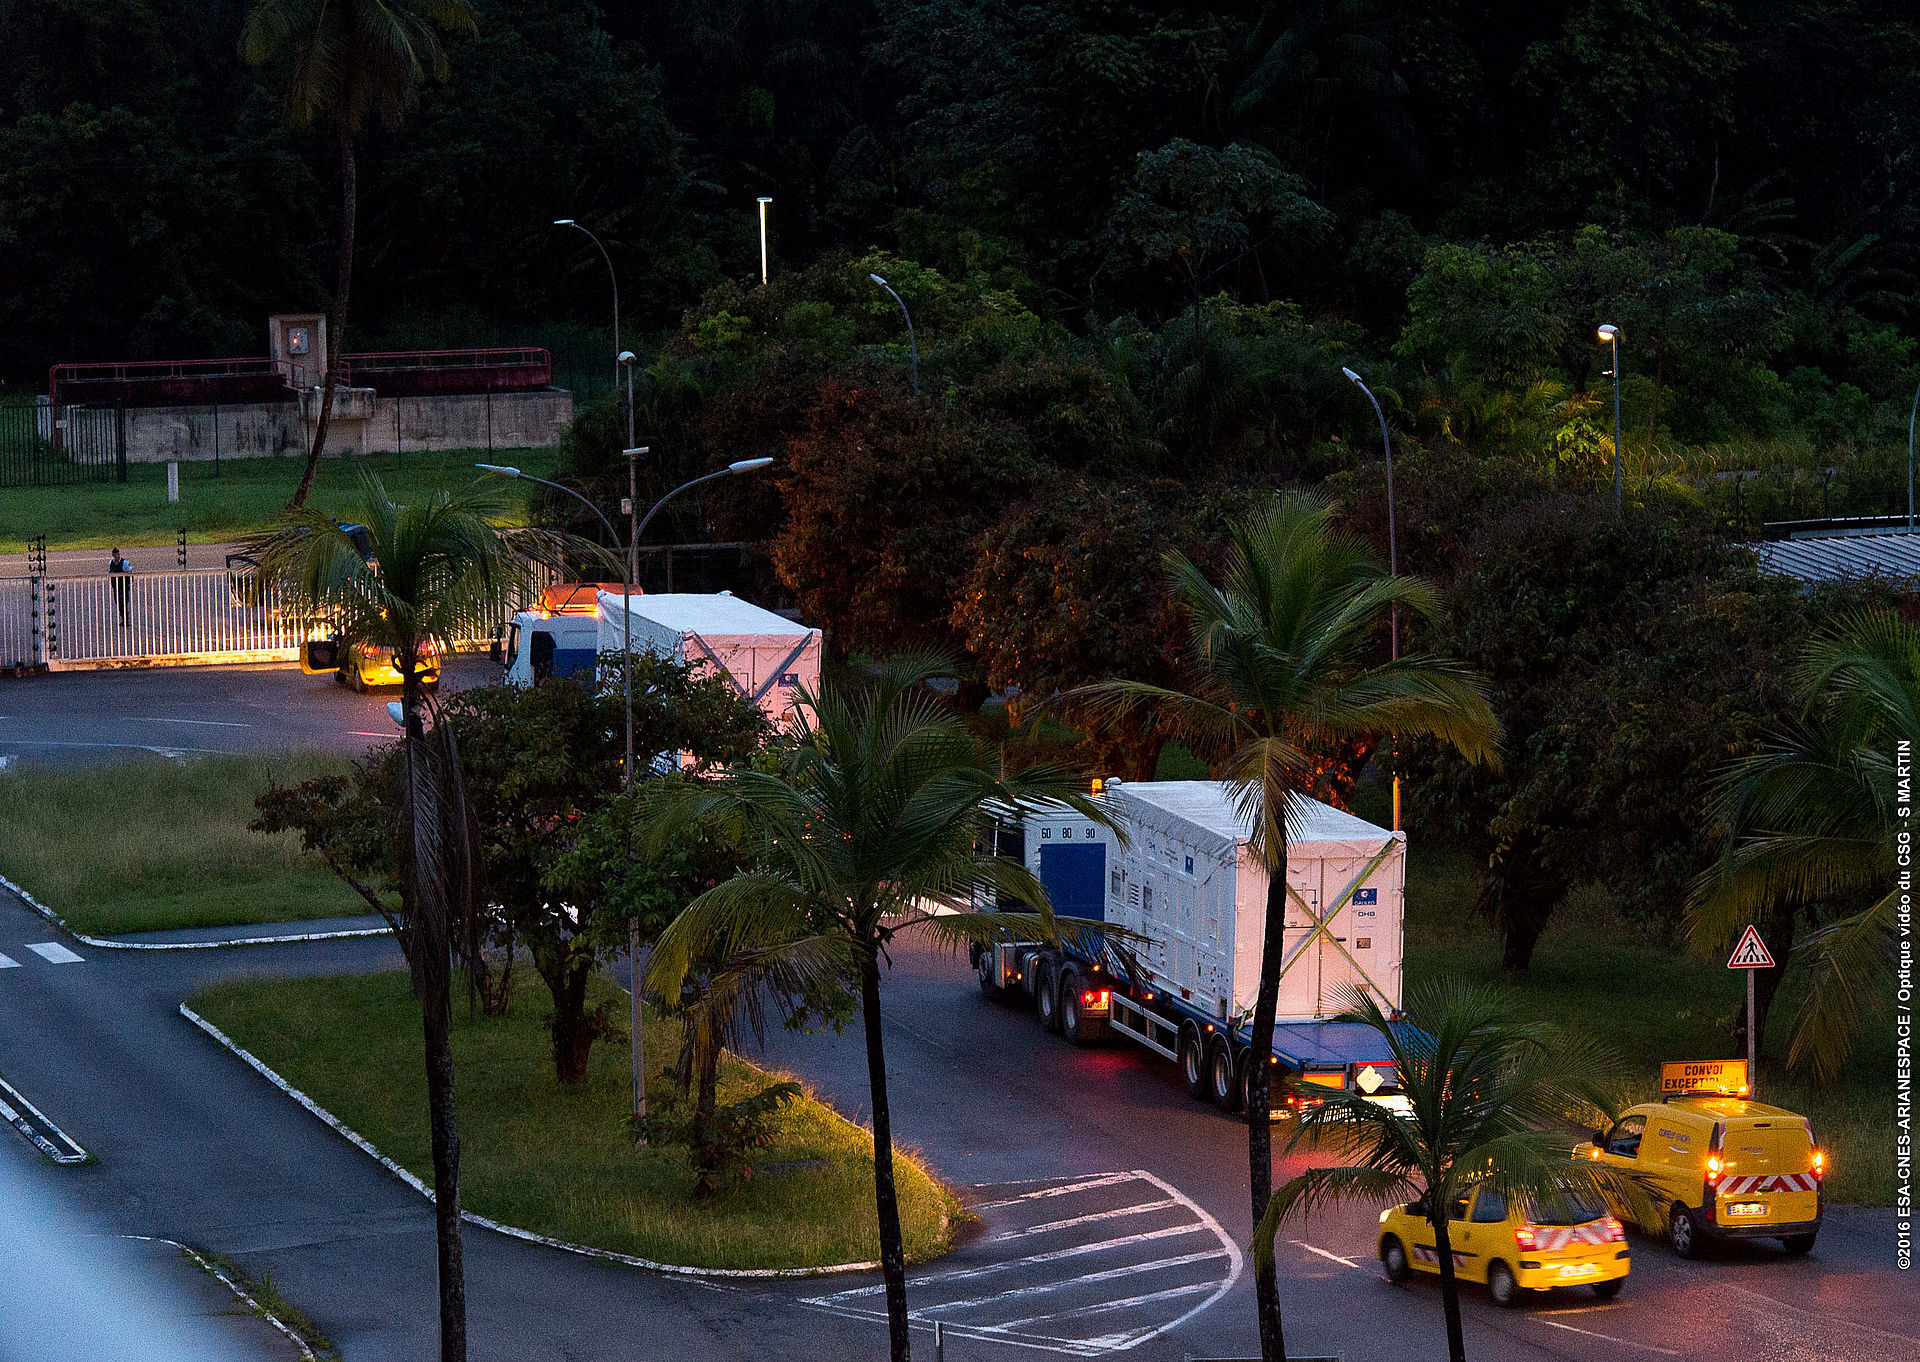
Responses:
[1762,1183]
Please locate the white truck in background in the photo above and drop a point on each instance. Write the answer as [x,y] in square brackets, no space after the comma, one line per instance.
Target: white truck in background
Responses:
[1185,884]
[768,658]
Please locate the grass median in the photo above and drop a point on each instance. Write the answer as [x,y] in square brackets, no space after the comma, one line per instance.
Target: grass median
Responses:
[1653,1003]
[144,845]
[239,498]
[559,1160]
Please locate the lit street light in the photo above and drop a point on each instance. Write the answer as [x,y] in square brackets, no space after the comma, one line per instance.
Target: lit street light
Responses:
[764,201]
[1393,549]
[569,222]
[911,342]
[1609,334]
[1910,416]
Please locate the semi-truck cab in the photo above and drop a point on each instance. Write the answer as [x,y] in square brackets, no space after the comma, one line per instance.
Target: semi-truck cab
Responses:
[1176,872]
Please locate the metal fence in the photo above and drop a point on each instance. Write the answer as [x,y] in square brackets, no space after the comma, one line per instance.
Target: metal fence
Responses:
[89,445]
[194,615]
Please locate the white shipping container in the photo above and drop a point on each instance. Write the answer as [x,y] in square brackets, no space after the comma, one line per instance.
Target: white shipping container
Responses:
[768,657]
[1187,882]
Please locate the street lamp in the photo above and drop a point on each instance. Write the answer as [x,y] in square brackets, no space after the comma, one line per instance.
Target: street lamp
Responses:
[569,222]
[764,201]
[1910,415]
[1609,334]
[913,344]
[1393,548]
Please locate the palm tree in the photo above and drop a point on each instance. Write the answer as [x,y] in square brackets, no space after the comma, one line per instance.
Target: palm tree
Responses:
[350,60]
[1488,1097]
[440,571]
[1813,821]
[873,815]
[1282,660]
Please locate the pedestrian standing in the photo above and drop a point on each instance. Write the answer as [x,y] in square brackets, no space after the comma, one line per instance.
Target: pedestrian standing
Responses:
[119,570]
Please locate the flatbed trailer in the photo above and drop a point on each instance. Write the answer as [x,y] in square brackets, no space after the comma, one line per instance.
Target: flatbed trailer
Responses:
[1182,981]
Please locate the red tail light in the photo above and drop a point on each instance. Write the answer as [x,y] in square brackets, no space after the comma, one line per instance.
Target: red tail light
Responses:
[1819,1163]
[1616,1232]
[1526,1238]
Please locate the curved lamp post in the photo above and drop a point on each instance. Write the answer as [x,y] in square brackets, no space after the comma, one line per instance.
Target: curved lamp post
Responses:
[1393,547]
[912,344]
[633,550]
[569,222]
[1910,416]
[763,202]
[1609,335]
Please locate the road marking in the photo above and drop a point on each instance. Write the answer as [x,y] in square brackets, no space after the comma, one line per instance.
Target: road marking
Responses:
[1111,1274]
[8,962]
[1052,1256]
[1105,1180]
[1344,1262]
[127,747]
[209,723]
[15,1112]
[1052,1225]
[356,733]
[1624,1342]
[54,953]
[1761,1301]
[1124,1303]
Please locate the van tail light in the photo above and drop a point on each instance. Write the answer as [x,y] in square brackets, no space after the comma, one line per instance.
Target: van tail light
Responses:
[1616,1232]
[1819,1163]
[1713,1165]
[1526,1238]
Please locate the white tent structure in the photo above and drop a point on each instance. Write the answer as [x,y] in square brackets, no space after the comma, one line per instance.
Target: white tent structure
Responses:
[768,657]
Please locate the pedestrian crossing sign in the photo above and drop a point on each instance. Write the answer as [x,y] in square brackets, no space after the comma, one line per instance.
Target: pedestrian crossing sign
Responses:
[1751,953]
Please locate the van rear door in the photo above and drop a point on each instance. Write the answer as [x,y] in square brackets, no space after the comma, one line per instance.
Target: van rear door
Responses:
[1767,1174]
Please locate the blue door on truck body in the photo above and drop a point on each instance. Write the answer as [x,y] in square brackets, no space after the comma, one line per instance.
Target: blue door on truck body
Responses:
[1075,879]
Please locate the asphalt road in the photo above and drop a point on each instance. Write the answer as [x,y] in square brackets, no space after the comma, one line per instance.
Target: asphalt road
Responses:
[1111,1208]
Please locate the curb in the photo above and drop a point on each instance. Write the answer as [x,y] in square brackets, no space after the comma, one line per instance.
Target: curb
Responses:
[109,944]
[240,1293]
[511,1231]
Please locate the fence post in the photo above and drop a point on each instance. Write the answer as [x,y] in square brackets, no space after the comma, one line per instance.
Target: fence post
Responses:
[120,436]
[180,549]
[36,632]
[216,439]
[53,621]
[398,462]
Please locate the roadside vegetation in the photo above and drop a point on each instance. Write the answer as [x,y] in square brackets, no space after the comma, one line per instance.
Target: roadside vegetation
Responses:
[558,1158]
[147,844]
[236,499]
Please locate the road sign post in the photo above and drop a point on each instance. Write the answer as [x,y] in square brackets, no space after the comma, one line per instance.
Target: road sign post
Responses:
[1751,955]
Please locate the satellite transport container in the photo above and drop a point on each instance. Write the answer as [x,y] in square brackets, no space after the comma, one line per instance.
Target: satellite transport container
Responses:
[768,657]
[1183,880]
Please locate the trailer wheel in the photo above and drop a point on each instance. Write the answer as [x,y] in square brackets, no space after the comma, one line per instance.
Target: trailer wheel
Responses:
[1075,1024]
[1223,1076]
[1046,997]
[987,965]
[1193,1061]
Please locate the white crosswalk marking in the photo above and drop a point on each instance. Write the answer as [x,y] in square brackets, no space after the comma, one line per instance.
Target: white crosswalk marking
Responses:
[1049,1274]
[54,953]
[8,962]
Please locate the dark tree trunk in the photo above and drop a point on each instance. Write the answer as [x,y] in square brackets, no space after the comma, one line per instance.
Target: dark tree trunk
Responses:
[706,1158]
[1518,893]
[1653,412]
[1266,1285]
[886,1198]
[573,1030]
[432,981]
[1449,1288]
[336,343]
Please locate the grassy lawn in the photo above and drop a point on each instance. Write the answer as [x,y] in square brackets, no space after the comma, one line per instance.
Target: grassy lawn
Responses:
[1651,1004]
[241,499]
[149,844]
[560,1161]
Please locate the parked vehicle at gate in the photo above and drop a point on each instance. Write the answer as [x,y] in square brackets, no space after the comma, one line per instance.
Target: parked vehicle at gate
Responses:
[1716,1167]
[1193,900]
[1513,1244]
[361,666]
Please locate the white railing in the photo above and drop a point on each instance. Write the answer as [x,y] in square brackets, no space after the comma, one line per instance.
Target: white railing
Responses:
[189,616]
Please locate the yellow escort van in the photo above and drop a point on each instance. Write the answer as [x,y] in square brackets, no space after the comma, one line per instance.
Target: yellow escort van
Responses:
[1715,1167]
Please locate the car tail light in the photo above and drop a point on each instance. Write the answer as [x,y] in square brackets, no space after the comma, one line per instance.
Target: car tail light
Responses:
[1616,1232]
[1526,1238]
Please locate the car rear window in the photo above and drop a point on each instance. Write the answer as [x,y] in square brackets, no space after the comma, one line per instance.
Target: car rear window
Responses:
[1564,1208]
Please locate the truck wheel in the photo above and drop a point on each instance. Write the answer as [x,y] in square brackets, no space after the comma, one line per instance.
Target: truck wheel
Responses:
[1393,1257]
[1223,1076]
[989,970]
[1046,997]
[1798,1244]
[1193,1061]
[1683,1232]
[1075,1024]
[1503,1286]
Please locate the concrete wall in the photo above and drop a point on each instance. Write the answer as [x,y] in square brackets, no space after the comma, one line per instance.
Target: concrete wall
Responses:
[260,430]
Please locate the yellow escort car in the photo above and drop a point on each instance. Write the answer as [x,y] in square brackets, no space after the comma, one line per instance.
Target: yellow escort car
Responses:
[1715,1166]
[1511,1244]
